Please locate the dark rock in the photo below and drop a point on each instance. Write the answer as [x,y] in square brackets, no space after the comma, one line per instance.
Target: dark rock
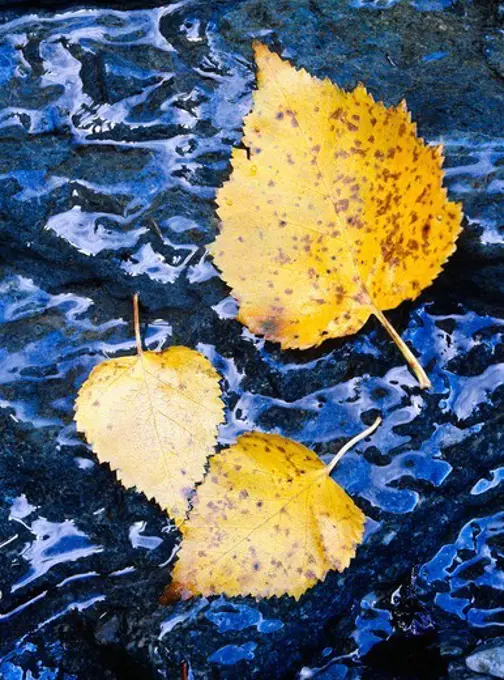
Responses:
[117,126]
[489,660]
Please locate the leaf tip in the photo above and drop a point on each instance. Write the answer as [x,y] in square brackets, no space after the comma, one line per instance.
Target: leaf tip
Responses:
[439,151]
[257,46]
[170,595]
[173,593]
[261,51]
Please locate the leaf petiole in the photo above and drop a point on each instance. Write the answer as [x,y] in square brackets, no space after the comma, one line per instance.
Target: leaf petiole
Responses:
[413,362]
[352,442]
[136,323]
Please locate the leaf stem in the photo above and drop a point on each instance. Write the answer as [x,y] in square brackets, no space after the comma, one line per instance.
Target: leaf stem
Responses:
[136,323]
[411,359]
[352,442]
[156,228]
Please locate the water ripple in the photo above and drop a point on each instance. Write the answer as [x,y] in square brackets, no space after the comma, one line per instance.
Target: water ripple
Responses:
[116,128]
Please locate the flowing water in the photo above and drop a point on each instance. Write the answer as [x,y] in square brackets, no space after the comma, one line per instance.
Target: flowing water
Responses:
[115,130]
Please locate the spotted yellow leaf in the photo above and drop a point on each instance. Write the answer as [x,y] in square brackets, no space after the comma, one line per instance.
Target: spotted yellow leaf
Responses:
[335,212]
[153,417]
[267,520]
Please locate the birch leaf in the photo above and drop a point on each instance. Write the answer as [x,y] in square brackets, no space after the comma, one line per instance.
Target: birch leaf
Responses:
[334,213]
[266,521]
[153,417]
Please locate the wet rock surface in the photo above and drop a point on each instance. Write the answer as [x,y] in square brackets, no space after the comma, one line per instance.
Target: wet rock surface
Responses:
[489,660]
[116,125]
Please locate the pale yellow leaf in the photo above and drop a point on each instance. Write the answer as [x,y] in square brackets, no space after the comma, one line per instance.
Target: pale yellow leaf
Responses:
[153,417]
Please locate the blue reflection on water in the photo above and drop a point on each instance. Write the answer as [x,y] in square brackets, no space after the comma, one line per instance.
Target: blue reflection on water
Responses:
[421,5]
[99,169]
[228,617]
[484,485]
[473,562]
[372,625]
[231,654]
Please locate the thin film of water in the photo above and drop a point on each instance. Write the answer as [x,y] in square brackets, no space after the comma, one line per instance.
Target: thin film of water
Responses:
[161,135]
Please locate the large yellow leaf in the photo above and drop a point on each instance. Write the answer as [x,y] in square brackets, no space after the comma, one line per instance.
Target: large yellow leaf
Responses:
[153,417]
[267,520]
[335,212]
